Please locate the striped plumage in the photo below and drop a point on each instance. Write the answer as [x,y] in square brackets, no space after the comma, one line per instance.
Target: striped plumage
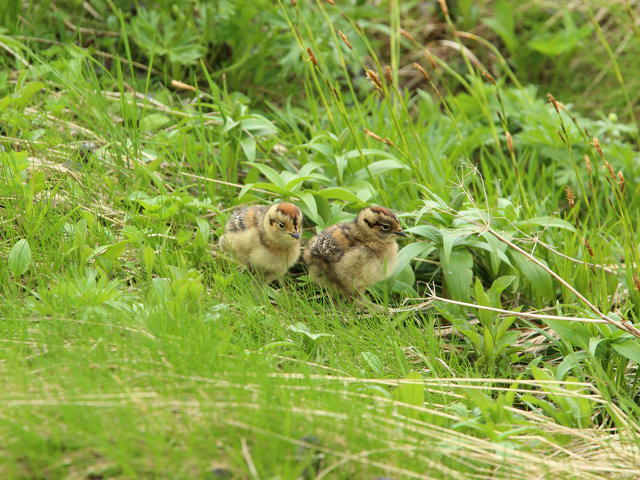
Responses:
[351,256]
[265,238]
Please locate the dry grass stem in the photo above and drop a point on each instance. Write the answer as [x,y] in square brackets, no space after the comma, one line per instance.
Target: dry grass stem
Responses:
[228,184]
[182,85]
[428,303]
[379,138]
[246,453]
[626,326]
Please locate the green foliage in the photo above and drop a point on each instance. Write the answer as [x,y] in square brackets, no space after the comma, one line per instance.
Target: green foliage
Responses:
[118,308]
[19,258]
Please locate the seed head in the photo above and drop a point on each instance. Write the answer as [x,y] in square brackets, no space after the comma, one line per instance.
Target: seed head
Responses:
[489,77]
[418,67]
[387,75]
[571,199]
[345,40]
[312,57]
[587,164]
[509,142]
[373,76]
[378,137]
[610,170]
[588,246]
[432,60]
[407,35]
[554,102]
[621,181]
[596,145]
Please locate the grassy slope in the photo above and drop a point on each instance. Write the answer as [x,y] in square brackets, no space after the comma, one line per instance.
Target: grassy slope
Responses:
[129,350]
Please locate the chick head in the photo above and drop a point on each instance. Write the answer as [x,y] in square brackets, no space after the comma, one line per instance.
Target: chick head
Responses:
[283,223]
[379,223]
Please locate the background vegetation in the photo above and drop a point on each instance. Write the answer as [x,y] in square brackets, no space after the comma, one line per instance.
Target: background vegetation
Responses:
[503,133]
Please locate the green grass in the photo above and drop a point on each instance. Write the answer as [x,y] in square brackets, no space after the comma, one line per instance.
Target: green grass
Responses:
[133,348]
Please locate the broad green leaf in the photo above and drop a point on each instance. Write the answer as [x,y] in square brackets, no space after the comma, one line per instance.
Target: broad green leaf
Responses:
[114,251]
[539,279]
[149,258]
[547,222]
[458,274]
[448,240]
[19,258]
[498,286]
[293,180]
[557,43]
[496,250]
[258,125]
[248,145]
[339,193]
[628,348]
[273,176]
[411,251]
[404,281]
[503,23]
[202,234]
[153,121]
[309,206]
[321,148]
[374,362]
[29,90]
[575,334]
[428,231]
[570,362]
[301,328]
[486,317]
[15,165]
[367,152]
[504,341]
[381,166]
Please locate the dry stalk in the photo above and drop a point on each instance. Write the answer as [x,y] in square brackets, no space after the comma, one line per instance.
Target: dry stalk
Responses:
[535,316]
[627,326]
[15,54]
[228,184]
[246,453]
[182,85]
[379,138]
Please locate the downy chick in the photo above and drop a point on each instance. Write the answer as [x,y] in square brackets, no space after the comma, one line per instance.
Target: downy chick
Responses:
[351,256]
[265,238]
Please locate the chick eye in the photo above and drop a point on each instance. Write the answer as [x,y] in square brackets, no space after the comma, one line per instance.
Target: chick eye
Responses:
[385,227]
[281,225]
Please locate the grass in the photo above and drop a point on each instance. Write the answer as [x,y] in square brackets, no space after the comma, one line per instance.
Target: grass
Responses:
[132,348]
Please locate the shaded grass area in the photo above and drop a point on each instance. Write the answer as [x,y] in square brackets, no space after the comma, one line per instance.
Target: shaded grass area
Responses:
[133,348]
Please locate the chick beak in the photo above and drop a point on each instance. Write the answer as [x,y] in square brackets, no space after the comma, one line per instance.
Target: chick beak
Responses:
[295,235]
[400,233]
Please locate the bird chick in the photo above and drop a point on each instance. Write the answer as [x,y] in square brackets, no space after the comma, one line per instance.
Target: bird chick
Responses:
[265,238]
[351,256]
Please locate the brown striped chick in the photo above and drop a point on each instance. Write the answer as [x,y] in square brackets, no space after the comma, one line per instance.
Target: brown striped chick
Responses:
[351,256]
[265,238]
